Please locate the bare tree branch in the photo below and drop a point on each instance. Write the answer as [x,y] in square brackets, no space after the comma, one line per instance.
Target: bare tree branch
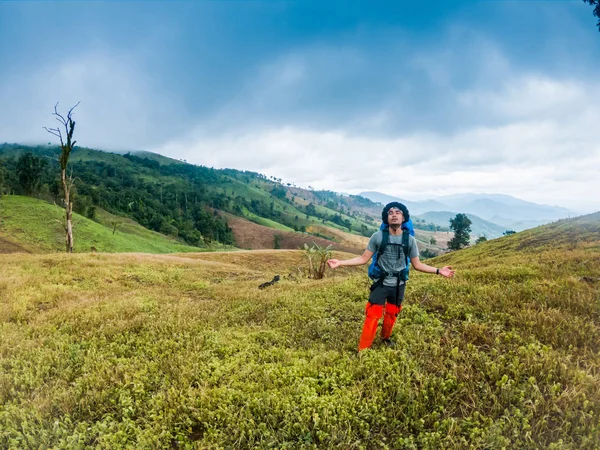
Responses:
[71,110]
[55,132]
[56,113]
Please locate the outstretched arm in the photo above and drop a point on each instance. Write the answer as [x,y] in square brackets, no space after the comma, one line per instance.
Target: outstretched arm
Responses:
[445,271]
[356,261]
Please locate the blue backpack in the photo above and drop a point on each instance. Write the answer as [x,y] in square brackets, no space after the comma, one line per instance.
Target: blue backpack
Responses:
[375,272]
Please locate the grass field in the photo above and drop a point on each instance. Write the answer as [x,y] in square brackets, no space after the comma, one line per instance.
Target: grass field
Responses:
[184,351]
[34,225]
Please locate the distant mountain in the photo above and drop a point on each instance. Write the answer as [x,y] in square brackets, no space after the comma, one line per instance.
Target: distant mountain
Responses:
[479,227]
[519,225]
[457,199]
[413,207]
[503,210]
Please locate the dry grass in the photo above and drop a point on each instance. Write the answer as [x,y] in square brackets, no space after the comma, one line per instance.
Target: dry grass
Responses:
[184,351]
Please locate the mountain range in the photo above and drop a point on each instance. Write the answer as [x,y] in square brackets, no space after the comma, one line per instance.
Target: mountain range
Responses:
[501,210]
[201,207]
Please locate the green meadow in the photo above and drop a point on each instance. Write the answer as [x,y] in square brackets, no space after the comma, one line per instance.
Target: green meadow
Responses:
[37,226]
[184,351]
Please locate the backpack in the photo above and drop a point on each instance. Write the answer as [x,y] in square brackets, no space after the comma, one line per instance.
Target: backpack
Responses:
[375,272]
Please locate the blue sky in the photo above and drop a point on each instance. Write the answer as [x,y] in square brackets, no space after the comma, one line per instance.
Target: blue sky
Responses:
[415,99]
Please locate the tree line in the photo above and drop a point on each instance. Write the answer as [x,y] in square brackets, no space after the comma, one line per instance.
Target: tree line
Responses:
[170,199]
[176,199]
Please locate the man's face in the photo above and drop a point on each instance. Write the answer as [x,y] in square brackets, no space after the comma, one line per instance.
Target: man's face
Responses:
[395,216]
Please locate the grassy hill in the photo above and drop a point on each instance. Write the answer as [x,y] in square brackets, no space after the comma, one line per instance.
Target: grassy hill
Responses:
[174,198]
[184,351]
[33,225]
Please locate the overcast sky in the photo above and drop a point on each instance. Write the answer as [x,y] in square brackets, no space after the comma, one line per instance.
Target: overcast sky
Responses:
[414,99]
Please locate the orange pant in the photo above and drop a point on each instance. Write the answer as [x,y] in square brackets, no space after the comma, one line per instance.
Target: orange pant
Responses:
[373,314]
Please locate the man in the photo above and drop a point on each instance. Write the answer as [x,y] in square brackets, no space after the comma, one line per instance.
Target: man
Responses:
[387,292]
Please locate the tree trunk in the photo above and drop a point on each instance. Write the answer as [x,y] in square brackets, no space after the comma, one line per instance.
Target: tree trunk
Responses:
[70,228]
[69,212]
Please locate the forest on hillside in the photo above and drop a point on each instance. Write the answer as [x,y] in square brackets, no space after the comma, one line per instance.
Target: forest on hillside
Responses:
[174,198]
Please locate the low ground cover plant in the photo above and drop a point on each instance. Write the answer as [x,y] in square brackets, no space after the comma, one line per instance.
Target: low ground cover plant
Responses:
[184,351]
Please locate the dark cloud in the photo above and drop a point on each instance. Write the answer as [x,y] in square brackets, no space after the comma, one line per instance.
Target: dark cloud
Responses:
[345,96]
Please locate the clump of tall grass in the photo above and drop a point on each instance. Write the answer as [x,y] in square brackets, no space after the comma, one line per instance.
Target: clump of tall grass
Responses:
[316,259]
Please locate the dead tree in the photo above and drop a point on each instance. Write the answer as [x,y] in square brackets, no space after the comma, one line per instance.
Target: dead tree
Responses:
[66,147]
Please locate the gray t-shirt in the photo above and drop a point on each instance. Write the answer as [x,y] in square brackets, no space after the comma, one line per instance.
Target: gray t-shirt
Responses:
[393,259]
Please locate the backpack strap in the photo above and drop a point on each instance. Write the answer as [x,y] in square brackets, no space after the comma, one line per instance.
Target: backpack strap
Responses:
[385,237]
[404,272]
[405,240]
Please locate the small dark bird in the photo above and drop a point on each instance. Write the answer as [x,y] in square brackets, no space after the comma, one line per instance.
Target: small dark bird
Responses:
[269,283]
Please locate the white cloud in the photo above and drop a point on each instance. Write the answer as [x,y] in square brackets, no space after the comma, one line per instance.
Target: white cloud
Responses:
[530,96]
[551,161]
[308,116]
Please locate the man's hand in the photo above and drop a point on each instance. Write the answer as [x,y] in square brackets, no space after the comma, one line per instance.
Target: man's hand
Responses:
[333,263]
[447,271]
[356,261]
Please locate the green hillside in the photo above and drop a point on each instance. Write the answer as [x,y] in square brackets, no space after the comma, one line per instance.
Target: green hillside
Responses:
[36,225]
[184,351]
[479,227]
[321,210]
[179,199]
[172,197]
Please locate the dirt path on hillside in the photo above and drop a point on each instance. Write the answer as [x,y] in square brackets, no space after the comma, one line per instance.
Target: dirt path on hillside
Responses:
[7,246]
